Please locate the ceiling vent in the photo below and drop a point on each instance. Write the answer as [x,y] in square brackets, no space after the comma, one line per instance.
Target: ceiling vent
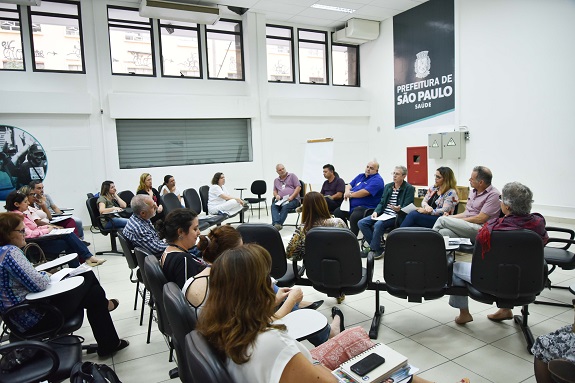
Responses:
[23,2]
[357,31]
[179,10]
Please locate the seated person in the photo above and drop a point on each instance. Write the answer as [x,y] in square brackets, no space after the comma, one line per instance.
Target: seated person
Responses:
[363,192]
[219,199]
[333,187]
[45,200]
[441,199]
[482,205]
[69,243]
[18,278]
[110,202]
[516,201]
[314,213]
[397,194]
[139,230]
[180,229]
[286,189]
[145,187]
[169,186]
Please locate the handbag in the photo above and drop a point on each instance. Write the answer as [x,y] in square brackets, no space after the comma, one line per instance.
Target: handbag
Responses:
[34,254]
[89,372]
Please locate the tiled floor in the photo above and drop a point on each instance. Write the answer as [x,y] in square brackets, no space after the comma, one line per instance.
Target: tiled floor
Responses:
[482,350]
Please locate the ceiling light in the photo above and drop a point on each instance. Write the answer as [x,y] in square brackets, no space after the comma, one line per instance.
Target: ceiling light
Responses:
[332,8]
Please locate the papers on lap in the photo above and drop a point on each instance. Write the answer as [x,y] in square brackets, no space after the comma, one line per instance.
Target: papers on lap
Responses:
[384,217]
[68,272]
[59,232]
[282,201]
[344,205]
[409,208]
[459,241]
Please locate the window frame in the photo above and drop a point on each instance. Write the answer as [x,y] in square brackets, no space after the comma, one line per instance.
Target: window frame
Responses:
[292,44]
[197,29]
[113,23]
[241,34]
[18,11]
[358,84]
[31,13]
[327,54]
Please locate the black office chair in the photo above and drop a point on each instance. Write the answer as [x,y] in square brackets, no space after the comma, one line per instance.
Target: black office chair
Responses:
[204,196]
[98,227]
[270,239]
[135,274]
[301,195]
[171,202]
[206,365]
[141,255]
[333,262]
[156,281]
[562,370]
[34,361]
[182,319]
[259,188]
[512,273]
[126,196]
[192,201]
[559,257]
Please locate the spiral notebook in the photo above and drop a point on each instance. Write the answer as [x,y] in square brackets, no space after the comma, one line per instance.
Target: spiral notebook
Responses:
[393,361]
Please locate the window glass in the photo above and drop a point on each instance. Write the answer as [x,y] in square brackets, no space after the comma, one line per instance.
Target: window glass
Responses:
[279,43]
[345,64]
[225,51]
[180,49]
[11,38]
[131,48]
[56,31]
[152,143]
[312,57]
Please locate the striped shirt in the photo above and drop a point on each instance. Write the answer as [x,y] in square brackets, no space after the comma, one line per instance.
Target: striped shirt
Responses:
[392,202]
[141,233]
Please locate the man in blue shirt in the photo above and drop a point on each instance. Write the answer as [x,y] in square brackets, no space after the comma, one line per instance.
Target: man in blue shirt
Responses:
[363,192]
[139,229]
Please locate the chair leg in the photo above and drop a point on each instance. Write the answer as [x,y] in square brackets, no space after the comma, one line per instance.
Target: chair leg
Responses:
[174,373]
[379,310]
[521,320]
[558,304]
[114,250]
[143,304]
[137,293]
[150,323]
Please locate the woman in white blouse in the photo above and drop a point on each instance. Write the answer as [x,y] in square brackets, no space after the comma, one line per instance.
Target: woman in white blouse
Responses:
[219,199]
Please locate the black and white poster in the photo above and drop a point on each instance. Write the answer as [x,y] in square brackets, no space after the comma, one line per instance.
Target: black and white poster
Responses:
[424,62]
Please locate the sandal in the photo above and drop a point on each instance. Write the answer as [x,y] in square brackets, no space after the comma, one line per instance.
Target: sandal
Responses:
[115,304]
[335,311]
[121,345]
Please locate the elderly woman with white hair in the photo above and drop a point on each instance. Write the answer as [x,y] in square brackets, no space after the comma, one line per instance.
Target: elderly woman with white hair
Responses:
[516,200]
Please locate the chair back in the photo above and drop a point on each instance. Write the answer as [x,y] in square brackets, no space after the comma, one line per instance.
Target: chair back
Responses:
[270,239]
[156,281]
[415,264]
[92,206]
[171,202]
[192,200]
[126,196]
[141,255]
[513,270]
[128,250]
[182,319]
[204,191]
[333,261]
[259,188]
[206,365]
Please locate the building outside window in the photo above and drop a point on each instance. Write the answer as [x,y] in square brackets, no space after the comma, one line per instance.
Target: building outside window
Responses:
[312,56]
[180,49]
[280,55]
[11,38]
[225,50]
[345,64]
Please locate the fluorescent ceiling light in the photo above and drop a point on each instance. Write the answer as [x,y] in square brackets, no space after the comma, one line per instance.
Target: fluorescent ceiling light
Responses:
[332,8]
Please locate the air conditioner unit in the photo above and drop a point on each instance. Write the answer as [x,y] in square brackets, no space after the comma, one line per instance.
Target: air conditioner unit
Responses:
[32,3]
[179,10]
[357,31]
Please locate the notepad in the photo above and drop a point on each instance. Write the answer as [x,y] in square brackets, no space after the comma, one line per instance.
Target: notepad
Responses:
[394,361]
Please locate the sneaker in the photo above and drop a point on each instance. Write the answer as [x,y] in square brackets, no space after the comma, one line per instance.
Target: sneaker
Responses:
[365,252]
[278,226]
[376,254]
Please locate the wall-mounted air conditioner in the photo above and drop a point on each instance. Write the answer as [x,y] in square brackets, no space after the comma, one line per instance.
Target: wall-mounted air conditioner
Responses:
[179,10]
[357,31]
[32,3]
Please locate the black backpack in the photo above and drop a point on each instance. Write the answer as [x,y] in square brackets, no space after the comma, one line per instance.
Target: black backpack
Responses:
[88,372]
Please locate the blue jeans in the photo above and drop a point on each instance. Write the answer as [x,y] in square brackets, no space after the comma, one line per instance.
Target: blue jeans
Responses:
[68,243]
[279,213]
[461,274]
[118,223]
[417,219]
[373,231]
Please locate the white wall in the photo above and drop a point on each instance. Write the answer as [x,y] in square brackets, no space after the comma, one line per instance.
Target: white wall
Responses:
[514,78]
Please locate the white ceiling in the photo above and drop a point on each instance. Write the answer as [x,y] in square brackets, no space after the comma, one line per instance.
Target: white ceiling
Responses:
[300,11]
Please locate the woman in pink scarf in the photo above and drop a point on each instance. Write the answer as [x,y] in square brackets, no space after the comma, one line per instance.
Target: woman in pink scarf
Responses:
[516,200]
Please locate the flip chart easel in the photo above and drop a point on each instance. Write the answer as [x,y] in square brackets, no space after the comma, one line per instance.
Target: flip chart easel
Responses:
[318,152]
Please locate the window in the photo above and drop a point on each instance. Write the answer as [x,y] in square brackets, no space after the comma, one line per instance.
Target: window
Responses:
[345,64]
[225,50]
[131,43]
[180,48]
[54,48]
[279,43]
[153,143]
[312,56]
[11,38]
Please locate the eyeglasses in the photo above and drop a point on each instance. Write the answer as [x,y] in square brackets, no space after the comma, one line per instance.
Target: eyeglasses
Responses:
[396,174]
[23,231]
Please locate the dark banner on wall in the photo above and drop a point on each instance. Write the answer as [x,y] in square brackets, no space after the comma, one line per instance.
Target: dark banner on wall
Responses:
[424,55]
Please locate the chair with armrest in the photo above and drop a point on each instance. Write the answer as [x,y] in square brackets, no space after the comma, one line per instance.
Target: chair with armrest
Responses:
[512,273]
[192,201]
[301,195]
[126,196]
[171,202]
[559,257]
[206,365]
[97,227]
[270,239]
[259,188]
[135,274]
[182,320]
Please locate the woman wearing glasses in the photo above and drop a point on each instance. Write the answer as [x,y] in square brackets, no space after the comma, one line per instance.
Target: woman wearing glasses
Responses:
[441,199]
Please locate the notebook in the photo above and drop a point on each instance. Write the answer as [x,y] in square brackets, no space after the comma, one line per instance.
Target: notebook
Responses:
[393,361]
